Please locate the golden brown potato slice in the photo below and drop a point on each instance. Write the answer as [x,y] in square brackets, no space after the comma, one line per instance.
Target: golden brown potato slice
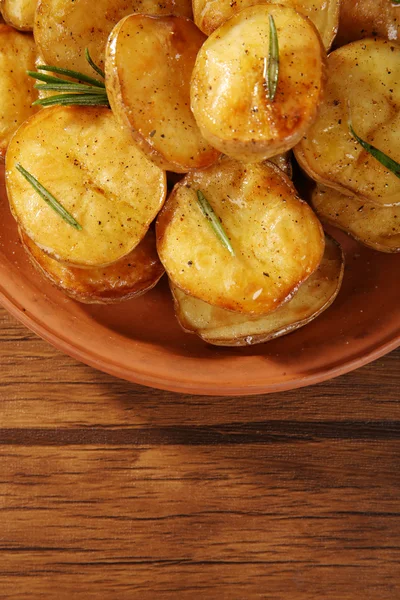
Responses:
[19,13]
[211,14]
[276,238]
[368,18]
[224,328]
[375,226]
[132,276]
[363,81]
[148,69]
[17,55]
[229,95]
[81,155]
[63,29]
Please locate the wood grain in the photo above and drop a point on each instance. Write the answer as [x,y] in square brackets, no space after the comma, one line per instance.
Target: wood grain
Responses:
[110,490]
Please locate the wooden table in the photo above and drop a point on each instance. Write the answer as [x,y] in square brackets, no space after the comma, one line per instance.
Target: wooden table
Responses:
[113,491]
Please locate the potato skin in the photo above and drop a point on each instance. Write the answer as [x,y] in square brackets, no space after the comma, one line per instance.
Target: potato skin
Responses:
[63,29]
[19,13]
[224,328]
[361,19]
[277,239]
[81,155]
[128,278]
[377,227]
[363,82]
[148,69]
[17,92]
[229,98]
[211,14]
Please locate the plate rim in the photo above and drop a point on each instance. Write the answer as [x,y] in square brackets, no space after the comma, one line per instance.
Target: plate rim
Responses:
[136,376]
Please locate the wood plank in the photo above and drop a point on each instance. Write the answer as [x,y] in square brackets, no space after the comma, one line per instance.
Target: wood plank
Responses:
[294,521]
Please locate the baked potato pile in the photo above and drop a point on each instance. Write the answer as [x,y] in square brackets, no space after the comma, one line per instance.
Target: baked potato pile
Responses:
[216,95]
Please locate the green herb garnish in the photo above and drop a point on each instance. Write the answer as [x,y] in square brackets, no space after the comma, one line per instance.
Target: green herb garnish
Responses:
[380,156]
[49,198]
[271,66]
[214,221]
[84,91]
[95,67]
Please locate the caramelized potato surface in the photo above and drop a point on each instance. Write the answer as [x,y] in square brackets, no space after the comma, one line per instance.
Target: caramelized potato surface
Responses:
[224,328]
[131,276]
[364,84]
[64,28]
[17,55]
[148,69]
[19,13]
[97,173]
[229,93]
[211,14]
[368,18]
[276,238]
[375,226]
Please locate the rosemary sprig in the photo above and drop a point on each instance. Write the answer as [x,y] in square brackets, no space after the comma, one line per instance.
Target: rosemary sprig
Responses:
[214,221]
[84,91]
[380,156]
[271,65]
[49,198]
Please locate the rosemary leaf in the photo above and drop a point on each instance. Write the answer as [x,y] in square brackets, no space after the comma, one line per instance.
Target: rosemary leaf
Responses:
[48,78]
[271,66]
[214,221]
[93,64]
[73,100]
[73,74]
[70,87]
[49,198]
[380,156]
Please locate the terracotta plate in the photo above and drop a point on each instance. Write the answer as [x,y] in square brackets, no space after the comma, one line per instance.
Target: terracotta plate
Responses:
[141,341]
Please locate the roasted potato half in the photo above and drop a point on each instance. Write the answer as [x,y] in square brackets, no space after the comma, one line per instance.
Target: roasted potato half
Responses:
[229,92]
[368,18]
[364,85]
[148,69]
[224,328]
[64,28]
[17,92]
[132,276]
[19,13]
[211,14]
[276,239]
[84,159]
[375,226]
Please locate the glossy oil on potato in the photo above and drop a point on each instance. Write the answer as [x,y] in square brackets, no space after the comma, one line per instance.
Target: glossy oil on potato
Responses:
[132,276]
[375,226]
[211,14]
[19,13]
[368,18]
[224,328]
[364,83]
[64,28]
[284,162]
[17,55]
[277,240]
[148,69]
[82,157]
[229,95]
